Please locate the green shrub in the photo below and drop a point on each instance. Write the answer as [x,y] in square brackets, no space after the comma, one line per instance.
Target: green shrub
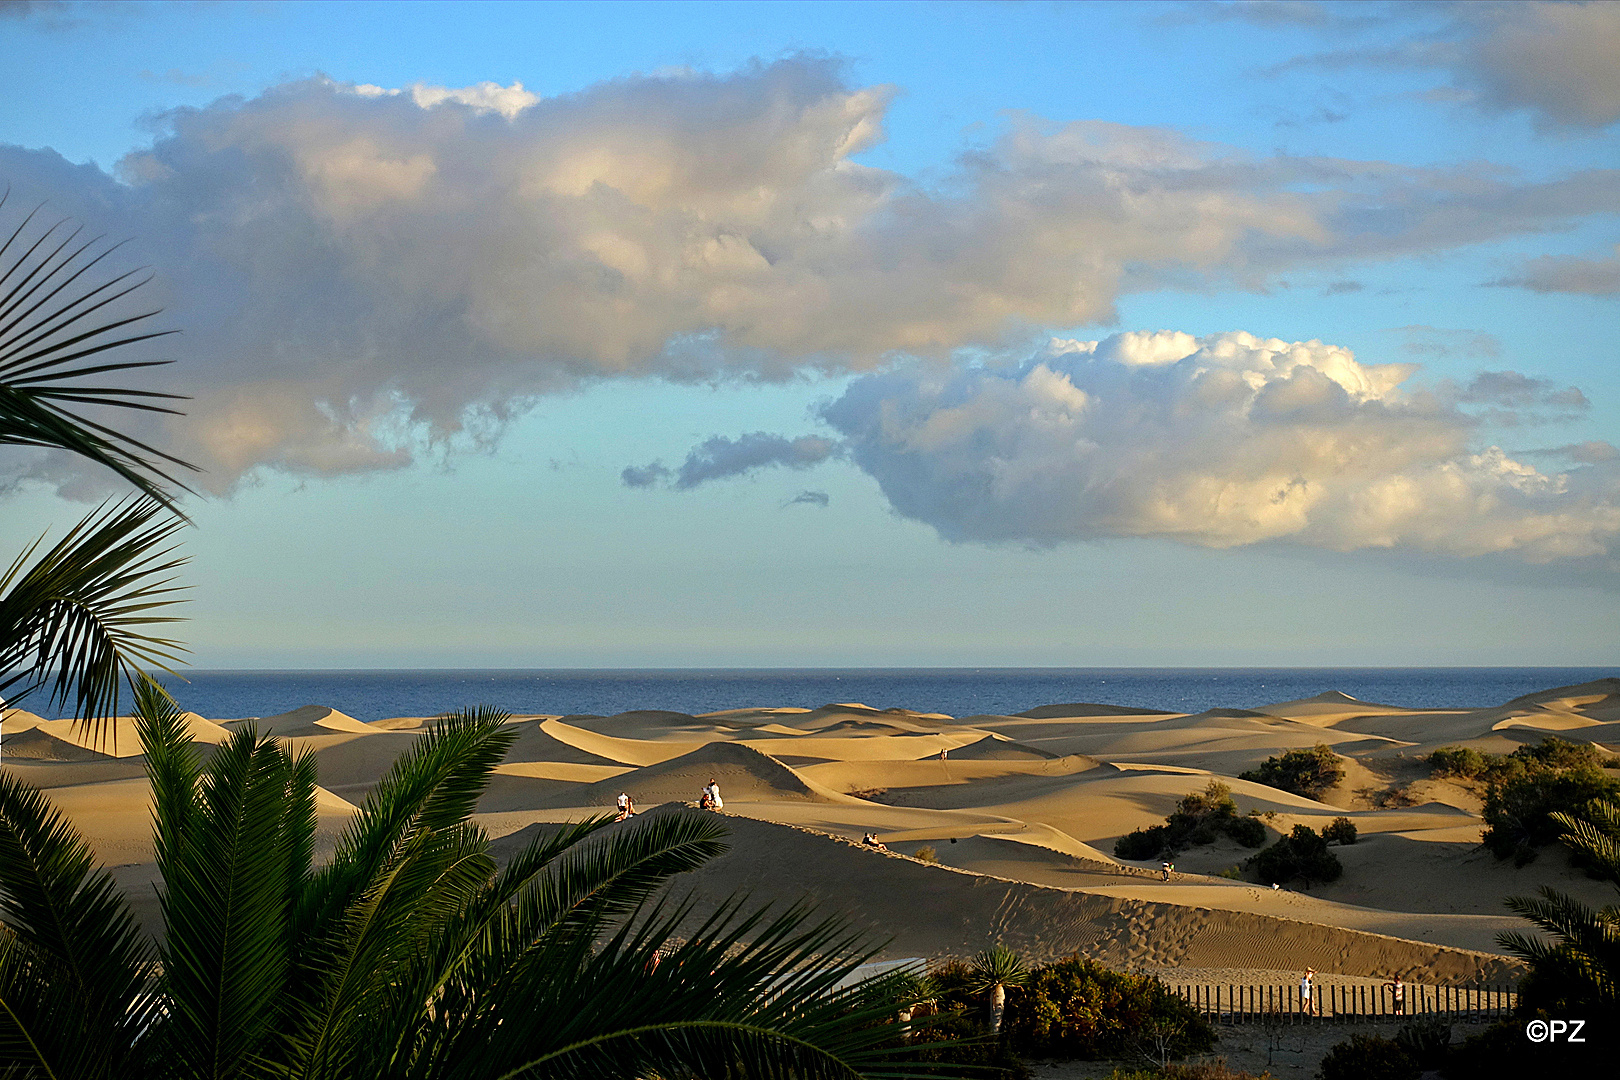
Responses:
[1301,854]
[1518,810]
[1341,830]
[1199,818]
[1302,772]
[1247,831]
[1369,1057]
[1427,1042]
[1142,843]
[1556,753]
[927,853]
[1233,872]
[1459,761]
[1076,1008]
[958,1037]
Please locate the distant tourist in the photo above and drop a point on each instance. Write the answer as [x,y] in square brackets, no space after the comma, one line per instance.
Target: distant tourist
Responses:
[1164,871]
[704,802]
[712,790]
[627,806]
[1397,993]
[943,751]
[871,841]
[1307,983]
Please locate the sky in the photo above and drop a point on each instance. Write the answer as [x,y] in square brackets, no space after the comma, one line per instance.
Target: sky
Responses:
[794,335]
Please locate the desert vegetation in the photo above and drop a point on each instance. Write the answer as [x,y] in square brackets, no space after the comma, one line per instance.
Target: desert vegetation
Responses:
[1199,818]
[1300,771]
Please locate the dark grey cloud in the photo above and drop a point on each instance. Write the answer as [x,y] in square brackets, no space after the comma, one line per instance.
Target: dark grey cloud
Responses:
[1591,452]
[719,457]
[1551,58]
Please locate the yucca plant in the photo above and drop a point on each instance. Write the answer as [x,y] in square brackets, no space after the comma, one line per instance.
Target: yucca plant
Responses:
[995,969]
[410,954]
[78,620]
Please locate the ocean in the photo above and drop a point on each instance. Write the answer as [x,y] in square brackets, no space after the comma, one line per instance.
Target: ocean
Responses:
[372,695]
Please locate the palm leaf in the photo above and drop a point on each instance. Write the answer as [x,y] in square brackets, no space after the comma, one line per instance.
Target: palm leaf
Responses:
[55,330]
[79,620]
[73,964]
[226,902]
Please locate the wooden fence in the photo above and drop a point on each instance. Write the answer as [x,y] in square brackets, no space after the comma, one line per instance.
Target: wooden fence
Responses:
[1343,1003]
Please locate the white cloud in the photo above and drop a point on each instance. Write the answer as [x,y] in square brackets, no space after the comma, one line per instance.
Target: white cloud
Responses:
[1239,440]
[363,272]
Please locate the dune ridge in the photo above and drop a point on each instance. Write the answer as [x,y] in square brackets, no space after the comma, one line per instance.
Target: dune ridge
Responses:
[1015,817]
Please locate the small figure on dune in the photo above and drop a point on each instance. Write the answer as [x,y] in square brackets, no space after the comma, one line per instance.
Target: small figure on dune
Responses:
[871,841]
[627,806]
[1164,871]
[1397,993]
[711,799]
[943,751]
[1307,983]
[704,802]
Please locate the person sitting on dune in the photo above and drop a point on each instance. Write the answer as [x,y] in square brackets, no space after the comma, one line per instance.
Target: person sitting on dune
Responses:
[871,841]
[713,792]
[704,801]
[627,806]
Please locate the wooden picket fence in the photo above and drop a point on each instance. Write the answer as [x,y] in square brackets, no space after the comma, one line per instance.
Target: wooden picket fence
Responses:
[1343,1003]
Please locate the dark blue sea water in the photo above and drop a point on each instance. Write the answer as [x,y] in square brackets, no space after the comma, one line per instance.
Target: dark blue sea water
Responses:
[372,695]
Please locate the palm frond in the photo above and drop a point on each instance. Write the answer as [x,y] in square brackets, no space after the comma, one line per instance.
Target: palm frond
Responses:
[406,862]
[225,905]
[80,619]
[73,964]
[54,322]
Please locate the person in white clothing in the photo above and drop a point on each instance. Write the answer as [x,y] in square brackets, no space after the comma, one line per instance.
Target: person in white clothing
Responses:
[626,807]
[1307,983]
[715,802]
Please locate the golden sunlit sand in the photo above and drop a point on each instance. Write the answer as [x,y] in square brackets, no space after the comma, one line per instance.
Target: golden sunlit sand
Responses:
[1021,813]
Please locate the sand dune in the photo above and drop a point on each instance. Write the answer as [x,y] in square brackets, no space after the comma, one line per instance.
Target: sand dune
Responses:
[1019,817]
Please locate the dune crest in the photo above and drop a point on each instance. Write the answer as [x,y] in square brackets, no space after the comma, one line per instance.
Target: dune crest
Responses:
[998,827]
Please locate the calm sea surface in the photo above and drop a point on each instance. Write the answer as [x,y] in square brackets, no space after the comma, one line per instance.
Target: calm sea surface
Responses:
[372,695]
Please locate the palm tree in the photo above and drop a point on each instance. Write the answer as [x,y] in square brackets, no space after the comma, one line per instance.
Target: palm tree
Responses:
[995,969]
[1579,970]
[411,954]
[78,620]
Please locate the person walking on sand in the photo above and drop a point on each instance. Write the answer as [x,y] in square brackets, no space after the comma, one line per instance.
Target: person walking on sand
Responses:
[1397,995]
[1307,983]
[1164,871]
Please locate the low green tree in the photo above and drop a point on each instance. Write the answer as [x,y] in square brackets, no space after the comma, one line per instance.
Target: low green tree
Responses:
[1301,854]
[1201,817]
[1341,830]
[1300,771]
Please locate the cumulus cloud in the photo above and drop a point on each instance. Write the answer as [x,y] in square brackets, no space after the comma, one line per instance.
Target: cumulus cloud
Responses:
[1569,274]
[718,457]
[1218,441]
[365,272]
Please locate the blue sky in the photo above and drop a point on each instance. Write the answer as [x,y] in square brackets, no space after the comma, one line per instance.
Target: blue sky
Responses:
[860,334]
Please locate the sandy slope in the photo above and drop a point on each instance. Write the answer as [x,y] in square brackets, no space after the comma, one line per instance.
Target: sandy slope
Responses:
[1021,814]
